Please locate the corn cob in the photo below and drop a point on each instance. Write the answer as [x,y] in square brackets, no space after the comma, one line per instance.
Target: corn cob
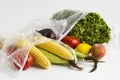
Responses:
[56,49]
[57,60]
[54,59]
[40,58]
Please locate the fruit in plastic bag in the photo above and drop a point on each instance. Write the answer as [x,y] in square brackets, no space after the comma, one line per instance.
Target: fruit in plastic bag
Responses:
[28,63]
[47,33]
[22,42]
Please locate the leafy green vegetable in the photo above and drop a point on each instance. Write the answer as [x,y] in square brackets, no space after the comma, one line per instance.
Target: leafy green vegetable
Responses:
[91,29]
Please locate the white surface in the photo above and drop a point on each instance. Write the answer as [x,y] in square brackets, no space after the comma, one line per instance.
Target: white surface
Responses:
[17,14]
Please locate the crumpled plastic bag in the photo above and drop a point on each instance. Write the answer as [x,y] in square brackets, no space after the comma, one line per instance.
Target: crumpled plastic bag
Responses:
[12,57]
[61,23]
[38,25]
[71,17]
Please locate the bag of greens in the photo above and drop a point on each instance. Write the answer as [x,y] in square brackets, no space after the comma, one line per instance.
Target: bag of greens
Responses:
[89,27]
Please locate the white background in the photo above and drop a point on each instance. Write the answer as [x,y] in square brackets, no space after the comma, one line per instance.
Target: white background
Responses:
[17,14]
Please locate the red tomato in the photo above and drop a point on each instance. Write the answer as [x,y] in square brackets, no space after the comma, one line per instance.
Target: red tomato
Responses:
[28,62]
[71,41]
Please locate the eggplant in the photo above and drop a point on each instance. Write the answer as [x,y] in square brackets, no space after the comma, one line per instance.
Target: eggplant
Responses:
[49,33]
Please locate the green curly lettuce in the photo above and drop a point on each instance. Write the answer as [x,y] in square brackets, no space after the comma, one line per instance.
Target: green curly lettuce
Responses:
[91,29]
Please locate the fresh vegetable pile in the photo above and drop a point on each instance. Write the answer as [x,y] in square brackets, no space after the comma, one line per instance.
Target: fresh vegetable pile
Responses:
[46,47]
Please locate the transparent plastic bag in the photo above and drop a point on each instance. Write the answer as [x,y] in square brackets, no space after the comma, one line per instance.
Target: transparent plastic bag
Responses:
[12,57]
[61,23]
[71,16]
[15,50]
[39,25]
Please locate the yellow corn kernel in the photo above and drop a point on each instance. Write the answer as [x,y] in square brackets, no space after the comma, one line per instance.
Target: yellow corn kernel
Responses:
[40,58]
[56,49]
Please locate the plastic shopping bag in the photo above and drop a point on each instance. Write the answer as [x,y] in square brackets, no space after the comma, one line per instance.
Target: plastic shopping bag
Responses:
[13,54]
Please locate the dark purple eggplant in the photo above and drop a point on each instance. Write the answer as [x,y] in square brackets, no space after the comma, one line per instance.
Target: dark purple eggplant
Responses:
[47,33]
